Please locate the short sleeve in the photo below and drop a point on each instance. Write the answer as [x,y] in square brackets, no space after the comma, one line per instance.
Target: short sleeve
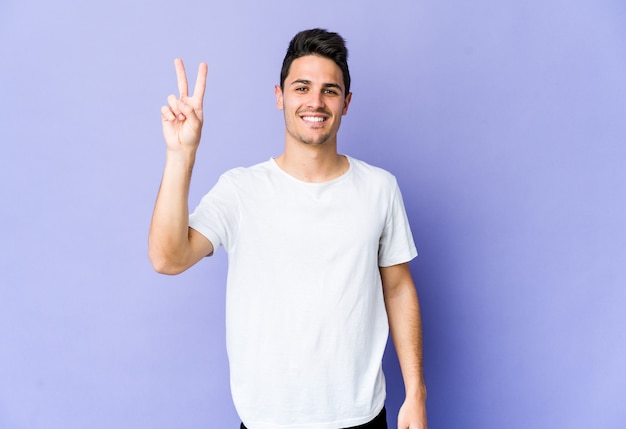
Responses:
[396,245]
[216,215]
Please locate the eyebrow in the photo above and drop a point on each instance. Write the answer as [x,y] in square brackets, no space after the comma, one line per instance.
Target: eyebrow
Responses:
[325,85]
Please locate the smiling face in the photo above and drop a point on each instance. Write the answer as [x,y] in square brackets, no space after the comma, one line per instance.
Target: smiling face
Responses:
[313,101]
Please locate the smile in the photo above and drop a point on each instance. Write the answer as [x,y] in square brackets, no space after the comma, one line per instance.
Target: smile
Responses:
[313,119]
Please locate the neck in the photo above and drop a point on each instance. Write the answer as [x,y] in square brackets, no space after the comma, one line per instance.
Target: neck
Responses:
[312,163]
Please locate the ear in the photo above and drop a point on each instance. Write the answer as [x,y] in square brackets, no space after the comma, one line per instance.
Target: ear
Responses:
[279,97]
[346,103]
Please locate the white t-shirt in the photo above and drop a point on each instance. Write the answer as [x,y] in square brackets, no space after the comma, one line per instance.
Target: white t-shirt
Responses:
[306,325]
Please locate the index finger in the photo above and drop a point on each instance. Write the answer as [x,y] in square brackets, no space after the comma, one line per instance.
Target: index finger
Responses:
[198,90]
[181,76]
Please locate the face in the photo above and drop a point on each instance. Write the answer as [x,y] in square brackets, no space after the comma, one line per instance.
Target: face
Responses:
[313,100]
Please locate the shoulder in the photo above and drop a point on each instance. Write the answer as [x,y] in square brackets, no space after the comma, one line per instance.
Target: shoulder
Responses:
[371,173]
[244,174]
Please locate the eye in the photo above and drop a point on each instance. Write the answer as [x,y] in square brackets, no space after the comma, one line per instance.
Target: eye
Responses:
[301,89]
[330,91]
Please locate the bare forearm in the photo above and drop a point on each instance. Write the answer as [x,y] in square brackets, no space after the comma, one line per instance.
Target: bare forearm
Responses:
[168,238]
[406,330]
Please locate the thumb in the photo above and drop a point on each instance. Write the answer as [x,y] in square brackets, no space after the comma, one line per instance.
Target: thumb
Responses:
[190,115]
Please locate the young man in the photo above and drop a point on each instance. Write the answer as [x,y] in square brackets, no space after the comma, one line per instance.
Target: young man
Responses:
[318,247]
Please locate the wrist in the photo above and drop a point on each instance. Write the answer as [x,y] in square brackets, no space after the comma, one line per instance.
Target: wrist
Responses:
[181,154]
[180,162]
[416,393]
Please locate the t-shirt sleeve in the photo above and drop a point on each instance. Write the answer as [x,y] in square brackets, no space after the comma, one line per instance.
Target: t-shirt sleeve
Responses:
[215,217]
[396,244]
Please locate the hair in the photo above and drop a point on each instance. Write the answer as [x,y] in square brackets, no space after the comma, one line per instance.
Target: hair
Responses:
[321,43]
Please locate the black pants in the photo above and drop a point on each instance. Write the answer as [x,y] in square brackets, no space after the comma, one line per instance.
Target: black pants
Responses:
[380,422]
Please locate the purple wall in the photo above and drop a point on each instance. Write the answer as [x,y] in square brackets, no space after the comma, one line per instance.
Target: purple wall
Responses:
[503,121]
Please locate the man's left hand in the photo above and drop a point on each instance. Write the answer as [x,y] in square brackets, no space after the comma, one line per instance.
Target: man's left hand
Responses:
[412,415]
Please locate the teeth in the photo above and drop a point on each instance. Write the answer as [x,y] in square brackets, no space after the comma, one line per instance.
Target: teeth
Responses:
[313,119]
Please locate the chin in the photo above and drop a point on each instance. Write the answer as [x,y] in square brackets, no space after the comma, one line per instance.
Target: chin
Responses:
[318,141]
[310,139]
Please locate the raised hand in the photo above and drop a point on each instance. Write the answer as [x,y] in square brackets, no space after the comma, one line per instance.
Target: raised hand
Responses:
[182,117]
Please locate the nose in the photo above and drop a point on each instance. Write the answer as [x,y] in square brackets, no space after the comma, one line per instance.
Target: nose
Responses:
[315,100]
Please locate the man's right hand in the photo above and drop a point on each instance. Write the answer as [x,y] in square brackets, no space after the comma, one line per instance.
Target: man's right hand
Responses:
[172,245]
[182,117]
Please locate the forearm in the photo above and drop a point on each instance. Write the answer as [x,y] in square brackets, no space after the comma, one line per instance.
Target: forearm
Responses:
[168,242]
[406,331]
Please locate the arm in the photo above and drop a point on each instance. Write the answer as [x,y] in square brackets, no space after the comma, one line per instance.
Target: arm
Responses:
[406,330]
[172,245]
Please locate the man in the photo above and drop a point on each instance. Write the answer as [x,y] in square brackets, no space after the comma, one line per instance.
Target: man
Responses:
[318,247]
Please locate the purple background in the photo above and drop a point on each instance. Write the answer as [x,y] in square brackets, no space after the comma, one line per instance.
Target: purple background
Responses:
[504,122]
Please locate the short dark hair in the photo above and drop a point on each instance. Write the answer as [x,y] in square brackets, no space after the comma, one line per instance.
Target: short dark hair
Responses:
[317,42]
